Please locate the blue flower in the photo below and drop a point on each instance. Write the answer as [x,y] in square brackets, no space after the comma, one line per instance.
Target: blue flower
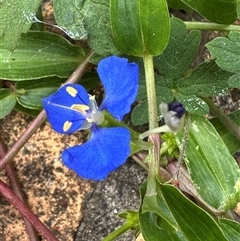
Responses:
[71,109]
[173,115]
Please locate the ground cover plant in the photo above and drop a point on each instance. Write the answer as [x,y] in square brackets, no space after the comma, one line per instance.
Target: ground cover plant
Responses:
[143,56]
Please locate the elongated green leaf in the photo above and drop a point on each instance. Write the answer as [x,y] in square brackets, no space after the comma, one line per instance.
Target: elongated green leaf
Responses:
[126,27]
[31,112]
[214,171]
[189,222]
[15,18]
[238,9]
[7,102]
[226,51]
[218,11]
[231,141]
[178,4]
[155,25]
[38,55]
[30,93]
[139,26]
[230,228]
[90,19]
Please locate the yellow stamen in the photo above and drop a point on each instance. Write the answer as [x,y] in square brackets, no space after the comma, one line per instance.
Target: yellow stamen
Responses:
[67,125]
[71,91]
[81,108]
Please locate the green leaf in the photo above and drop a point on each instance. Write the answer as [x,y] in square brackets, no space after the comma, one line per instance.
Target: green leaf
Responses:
[7,102]
[211,166]
[15,18]
[186,221]
[30,93]
[178,4]
[234,81]
[218,11]
[238,9]
[172,65]
[140,27]
[207,79]
[139,114]
[87,18]
[192,104]
[31,112]
[230,140]
[226,51]
[69,16]
[39,55]
[230,228]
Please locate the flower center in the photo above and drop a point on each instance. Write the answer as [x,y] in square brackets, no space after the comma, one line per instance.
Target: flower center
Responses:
[93,115]
[96,115]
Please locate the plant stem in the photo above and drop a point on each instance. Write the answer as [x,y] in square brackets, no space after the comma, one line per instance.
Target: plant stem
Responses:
[183,147]
[151,90]
[23,139]
[33,236]
[223,118]
[26,212]
[139,161]
[153,123]
[211,26]
[76,75]
[118,232]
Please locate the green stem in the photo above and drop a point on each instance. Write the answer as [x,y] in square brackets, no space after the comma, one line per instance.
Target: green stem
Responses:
[118,232]
[153,123]
[223,118]
[151,90]
[211,26]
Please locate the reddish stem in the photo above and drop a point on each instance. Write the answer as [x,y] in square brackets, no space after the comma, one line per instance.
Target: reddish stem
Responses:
[23,139]
[24,210]
[17,189]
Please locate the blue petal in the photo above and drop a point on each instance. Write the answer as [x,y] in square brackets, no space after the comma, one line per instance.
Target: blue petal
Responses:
[59,115]
[62,96]
[57,107]
[120,81]
[104,152]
